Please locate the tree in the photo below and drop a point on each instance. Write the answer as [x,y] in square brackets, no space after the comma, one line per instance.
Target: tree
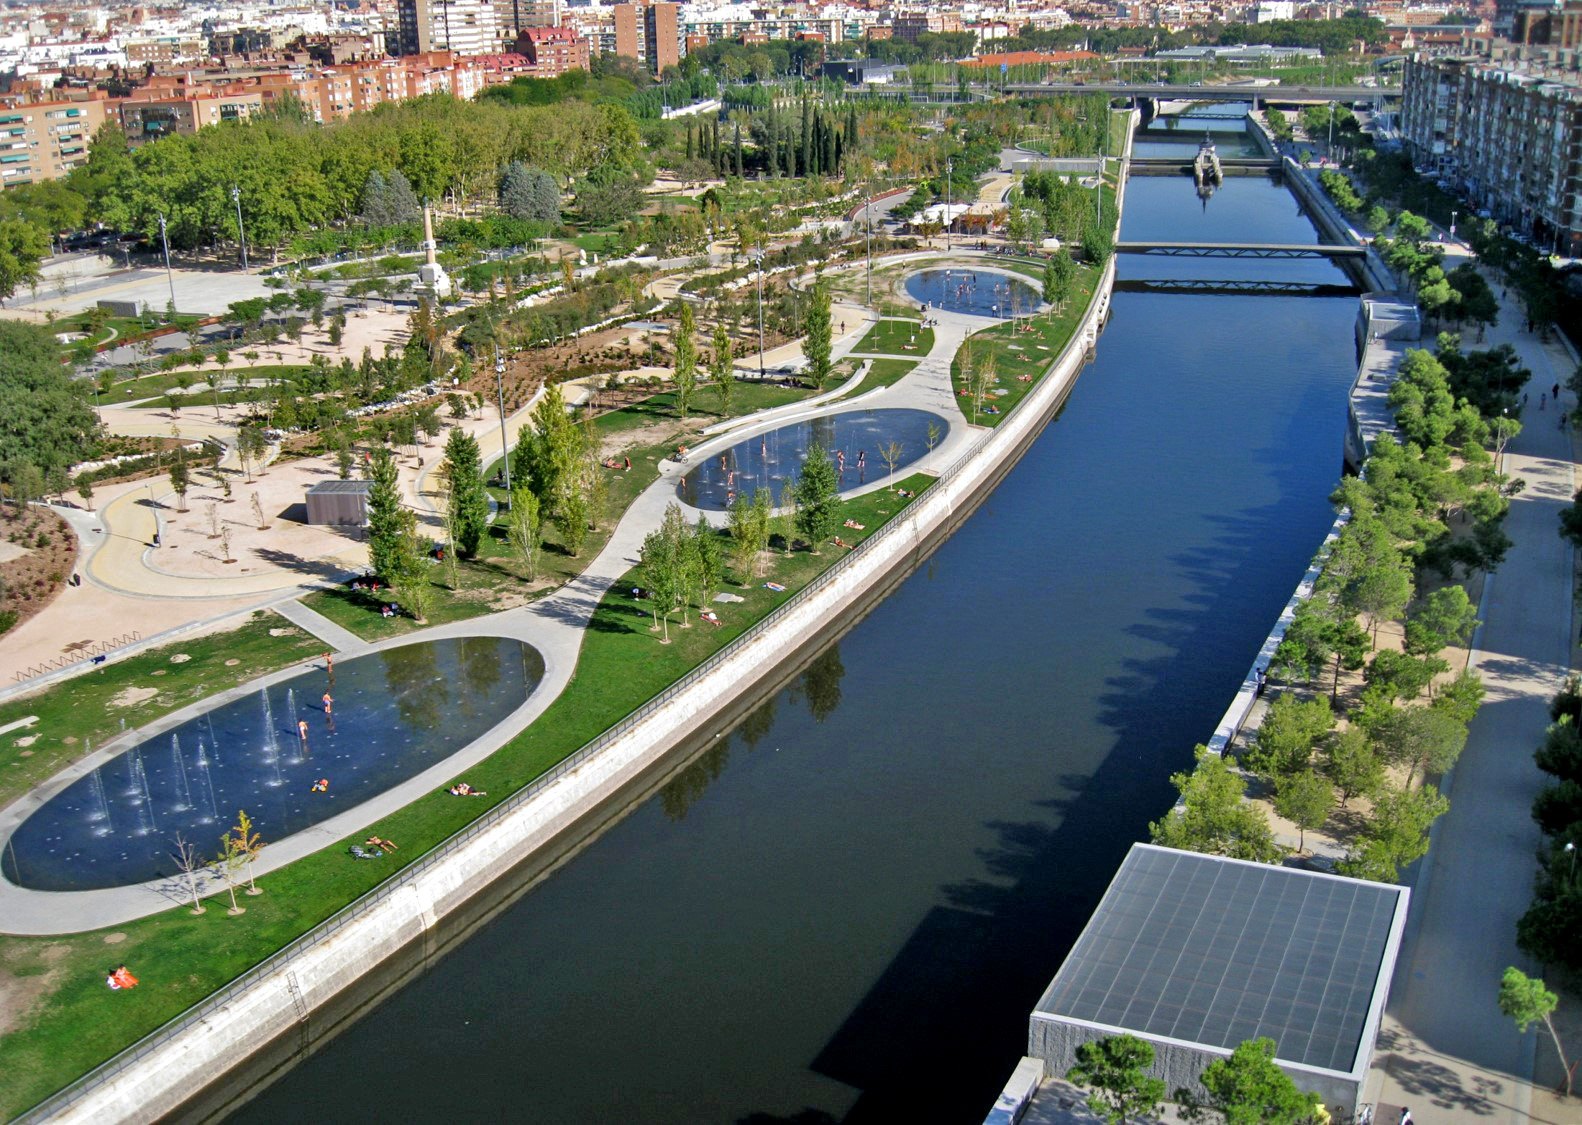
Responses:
[1396,675]
[22,247]
[1249,1089]
[686,368]
[180,478]
[1116,1068]
[1526,1000]
[524,530]
[705,566]
[1213,818]
[46,414]
[1444,618]
[549,462]
[817,498]
[187,862]
[743,528]
[1353,765]
[248,844]
[1396,836]
[816,344]
[469,500]
[529,193]
[665,561]
[409,574]
[1305,799]
[1420,738]
[721,367]
[85,490]
[1059,272]
[250,446]
[1285,738]
[231,860]
[389,520]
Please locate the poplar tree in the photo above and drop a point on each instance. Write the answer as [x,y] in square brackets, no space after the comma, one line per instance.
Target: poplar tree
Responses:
[469,502]
[816,345]
[817,498]
[721,367]
[686,371]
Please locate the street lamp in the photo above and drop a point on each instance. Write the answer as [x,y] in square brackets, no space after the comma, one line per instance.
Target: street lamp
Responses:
[948,167]
[505,447]
[757,255]
[169,277]
[1330,148]
[241,231]
[1453,215]
[867,227]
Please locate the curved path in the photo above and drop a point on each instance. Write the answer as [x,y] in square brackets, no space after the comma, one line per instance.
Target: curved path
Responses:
[554,626]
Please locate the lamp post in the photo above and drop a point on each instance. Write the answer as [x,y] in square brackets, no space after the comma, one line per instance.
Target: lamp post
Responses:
[948,169]
[867,227]
[170,278]
[505,447]
[241,231]
[757,255]
[1329,149]
[1453,216]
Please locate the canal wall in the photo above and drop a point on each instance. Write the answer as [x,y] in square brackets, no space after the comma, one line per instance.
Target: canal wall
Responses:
[251,1030]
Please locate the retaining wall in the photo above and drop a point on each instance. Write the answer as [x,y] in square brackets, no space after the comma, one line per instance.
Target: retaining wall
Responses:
[302,993]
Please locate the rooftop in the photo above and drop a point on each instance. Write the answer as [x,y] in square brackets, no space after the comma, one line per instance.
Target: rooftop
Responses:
[1210,951]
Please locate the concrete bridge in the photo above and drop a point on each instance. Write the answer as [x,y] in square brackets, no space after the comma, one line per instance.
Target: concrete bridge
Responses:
[1139,163]
[1232,288]
[1257,95]
[1240,250]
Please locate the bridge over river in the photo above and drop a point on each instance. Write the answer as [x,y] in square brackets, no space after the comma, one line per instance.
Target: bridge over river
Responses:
[1240,249]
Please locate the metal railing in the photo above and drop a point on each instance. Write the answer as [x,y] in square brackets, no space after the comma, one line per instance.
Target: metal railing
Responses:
[365,903]
[96,650]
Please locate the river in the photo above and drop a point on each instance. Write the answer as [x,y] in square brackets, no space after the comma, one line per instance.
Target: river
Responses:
[846,911]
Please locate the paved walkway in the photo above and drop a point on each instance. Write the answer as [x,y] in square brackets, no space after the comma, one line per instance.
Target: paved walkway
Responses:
[341,640]
[1445,1050]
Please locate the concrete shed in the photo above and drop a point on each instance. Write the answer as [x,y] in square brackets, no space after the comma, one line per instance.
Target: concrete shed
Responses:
[1199,953]
[339,502]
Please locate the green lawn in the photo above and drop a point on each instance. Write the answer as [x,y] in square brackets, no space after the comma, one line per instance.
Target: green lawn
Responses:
[1026,353]
[897,337]
[91,707]
[886,373]
[181,958]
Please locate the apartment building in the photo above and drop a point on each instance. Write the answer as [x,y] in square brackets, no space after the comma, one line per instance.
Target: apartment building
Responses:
[513,17]
[1506,130]
[466,27]
[649,31]
[158,111]
[47,139]
[553,50]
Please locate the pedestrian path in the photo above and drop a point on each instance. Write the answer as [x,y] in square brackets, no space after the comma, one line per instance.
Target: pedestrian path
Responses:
[1445,1049]
[341,640]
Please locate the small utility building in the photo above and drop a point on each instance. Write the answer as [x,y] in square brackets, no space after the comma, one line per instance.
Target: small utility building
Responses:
[339,503]
[1198,953]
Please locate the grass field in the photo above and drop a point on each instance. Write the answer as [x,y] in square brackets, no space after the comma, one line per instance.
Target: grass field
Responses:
[897,337]
[73,1022]
[886,373]
[1022,355]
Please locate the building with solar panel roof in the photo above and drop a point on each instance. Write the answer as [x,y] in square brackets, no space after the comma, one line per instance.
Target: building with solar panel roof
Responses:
[1199,953]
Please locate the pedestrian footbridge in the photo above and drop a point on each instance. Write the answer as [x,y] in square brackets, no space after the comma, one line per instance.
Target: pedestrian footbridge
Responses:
[1240,249]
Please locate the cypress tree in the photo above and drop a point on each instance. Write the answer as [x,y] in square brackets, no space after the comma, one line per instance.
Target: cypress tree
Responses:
[738,151]
[690,153]
[807,136]
[828,159]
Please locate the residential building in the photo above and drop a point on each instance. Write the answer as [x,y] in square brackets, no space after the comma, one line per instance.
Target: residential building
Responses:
[649,31]
[45,140]
[553,50]
[155,111]
[1505,129]
[512,17]
[466,27]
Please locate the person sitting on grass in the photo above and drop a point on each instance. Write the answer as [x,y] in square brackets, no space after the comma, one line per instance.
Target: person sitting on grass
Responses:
[119,978]
[462,789]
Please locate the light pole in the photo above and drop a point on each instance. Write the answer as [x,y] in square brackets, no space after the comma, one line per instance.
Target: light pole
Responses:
[1329,149]
[867,228]
[164,241]
[241,231]
[1453,216]
[948,168]
[505,447]
[757,255]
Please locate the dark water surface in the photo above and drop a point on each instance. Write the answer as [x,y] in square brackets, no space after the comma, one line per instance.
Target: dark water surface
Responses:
[855,440]
[391,715]
[847,909]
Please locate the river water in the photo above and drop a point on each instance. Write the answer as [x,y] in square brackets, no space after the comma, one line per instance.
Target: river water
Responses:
[846,911]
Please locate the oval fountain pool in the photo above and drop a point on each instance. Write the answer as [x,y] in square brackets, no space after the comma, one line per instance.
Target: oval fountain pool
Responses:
[393,714]
[976,292]
[773,459]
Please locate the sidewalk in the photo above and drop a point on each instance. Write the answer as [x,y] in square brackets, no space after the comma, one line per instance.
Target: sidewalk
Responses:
[1445,1050]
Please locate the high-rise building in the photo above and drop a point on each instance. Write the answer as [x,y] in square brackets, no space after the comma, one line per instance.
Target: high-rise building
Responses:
[1506,130]
[512,17]
[649,31]
[465,27]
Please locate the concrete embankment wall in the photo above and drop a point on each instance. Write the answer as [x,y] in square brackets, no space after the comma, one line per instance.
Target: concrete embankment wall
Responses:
[207,1060]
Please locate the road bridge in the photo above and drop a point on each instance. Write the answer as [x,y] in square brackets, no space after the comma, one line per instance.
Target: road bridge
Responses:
[1231,288]
[1186,162]
[1240,250]
[1177,92]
